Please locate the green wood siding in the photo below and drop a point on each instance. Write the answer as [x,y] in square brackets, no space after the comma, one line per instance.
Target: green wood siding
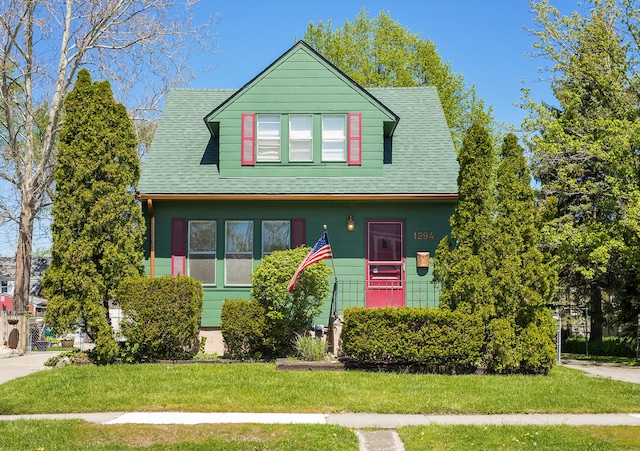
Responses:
[300,84]
[348,247]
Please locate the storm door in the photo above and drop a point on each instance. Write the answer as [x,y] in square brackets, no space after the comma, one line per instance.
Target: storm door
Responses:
[385,285]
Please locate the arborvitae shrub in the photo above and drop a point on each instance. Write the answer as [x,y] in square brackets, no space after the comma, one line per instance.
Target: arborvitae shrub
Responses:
[243,327]
[161,317]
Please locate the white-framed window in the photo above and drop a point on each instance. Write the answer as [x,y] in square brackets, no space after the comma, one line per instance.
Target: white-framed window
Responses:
[276,236]
[268,135]
[333,137]
[202,251]
[301,137]
[4,286]
[238,257]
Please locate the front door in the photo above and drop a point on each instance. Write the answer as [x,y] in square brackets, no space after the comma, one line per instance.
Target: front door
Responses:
[385,264]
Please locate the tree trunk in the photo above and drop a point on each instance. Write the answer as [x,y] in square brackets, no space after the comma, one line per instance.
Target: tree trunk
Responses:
[595,314]
[23,259]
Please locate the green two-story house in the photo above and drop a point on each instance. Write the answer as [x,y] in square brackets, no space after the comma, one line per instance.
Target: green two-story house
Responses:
[233,175]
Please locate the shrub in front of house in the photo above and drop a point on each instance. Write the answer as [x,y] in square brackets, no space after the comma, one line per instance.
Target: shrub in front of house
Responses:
[287,314]
[243,328]
[612,347]
[429,339]
[161,318]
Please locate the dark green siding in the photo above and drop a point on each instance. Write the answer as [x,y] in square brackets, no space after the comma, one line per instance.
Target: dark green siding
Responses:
[348,247]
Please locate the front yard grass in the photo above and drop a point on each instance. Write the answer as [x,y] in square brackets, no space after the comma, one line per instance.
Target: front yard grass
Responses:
[418,438]
[260,388]
[47,435]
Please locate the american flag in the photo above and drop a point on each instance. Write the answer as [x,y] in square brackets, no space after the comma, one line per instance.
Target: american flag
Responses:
[320,251]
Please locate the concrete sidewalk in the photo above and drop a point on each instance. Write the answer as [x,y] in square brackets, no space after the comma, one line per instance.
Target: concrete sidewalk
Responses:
[349,420]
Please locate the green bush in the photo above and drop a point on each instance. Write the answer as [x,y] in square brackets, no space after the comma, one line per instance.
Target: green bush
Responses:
[537,346]
[243,327]
[408,337]
[161,317]
[503,352]
[614,347]
[288,313]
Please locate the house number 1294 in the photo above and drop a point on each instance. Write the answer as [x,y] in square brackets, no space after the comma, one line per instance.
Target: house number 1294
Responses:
[423,235]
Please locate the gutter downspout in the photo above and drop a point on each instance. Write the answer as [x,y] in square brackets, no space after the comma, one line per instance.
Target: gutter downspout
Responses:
[152,251]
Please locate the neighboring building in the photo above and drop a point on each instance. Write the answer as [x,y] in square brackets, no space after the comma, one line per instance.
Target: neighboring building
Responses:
[232,175]
[7,284]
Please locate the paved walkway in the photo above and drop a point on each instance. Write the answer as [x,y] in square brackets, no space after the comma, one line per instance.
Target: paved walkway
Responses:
[383,438]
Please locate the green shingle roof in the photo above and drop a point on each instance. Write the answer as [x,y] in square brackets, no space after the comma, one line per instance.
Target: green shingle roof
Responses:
[182,157]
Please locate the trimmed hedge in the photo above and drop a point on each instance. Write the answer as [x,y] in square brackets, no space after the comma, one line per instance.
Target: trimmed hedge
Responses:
[450,340]
[161,317]
[243,328]
[614,347]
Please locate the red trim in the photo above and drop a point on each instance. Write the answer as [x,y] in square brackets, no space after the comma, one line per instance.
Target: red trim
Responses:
[247,146]
[354,130]
[178,246]
[298,232]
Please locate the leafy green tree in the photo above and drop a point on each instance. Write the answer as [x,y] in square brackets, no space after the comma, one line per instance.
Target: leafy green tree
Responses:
[379,52]
[585,151]
[288,313]
[461,258]
[97,227]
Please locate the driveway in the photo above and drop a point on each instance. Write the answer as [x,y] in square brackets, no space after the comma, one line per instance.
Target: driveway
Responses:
[617,372]
[14,367]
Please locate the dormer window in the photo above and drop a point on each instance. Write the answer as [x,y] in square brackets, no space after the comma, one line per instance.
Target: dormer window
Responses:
[338,138]
[333,137]
[301,137]
[268,131]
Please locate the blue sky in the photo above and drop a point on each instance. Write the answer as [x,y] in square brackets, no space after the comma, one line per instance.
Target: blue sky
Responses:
[485,41]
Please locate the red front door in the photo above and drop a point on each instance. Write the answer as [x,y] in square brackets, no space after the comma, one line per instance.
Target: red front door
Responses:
[385,264]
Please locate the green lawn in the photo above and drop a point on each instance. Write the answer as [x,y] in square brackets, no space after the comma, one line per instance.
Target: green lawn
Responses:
[520,437]
[78,435]
[260,388]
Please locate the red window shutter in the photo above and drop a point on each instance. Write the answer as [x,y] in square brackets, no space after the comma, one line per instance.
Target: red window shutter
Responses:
[178,246]
[298,232]
[248,139]
[354,127]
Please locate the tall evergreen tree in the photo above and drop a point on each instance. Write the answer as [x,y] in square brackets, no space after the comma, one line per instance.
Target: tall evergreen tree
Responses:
[460,262]
[97,225]
[522,278]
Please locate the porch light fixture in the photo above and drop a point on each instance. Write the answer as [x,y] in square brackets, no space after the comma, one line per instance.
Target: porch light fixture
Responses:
[351,224]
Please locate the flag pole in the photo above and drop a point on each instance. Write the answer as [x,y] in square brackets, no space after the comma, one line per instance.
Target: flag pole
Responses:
[334,294]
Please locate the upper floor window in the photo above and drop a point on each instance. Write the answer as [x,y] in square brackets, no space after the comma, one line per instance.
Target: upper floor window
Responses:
[333,137]
[276,236]
[238,258]
[268,134]
[301,137]
[202,251]
[4,286]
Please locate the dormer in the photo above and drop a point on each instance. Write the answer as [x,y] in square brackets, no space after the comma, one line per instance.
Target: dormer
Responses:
[301,117]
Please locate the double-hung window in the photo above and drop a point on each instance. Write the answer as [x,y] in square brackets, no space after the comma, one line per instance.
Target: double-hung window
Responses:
[238,259]
[268,137]
[333,137]
[202,251]
[276,236]
[301,137]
